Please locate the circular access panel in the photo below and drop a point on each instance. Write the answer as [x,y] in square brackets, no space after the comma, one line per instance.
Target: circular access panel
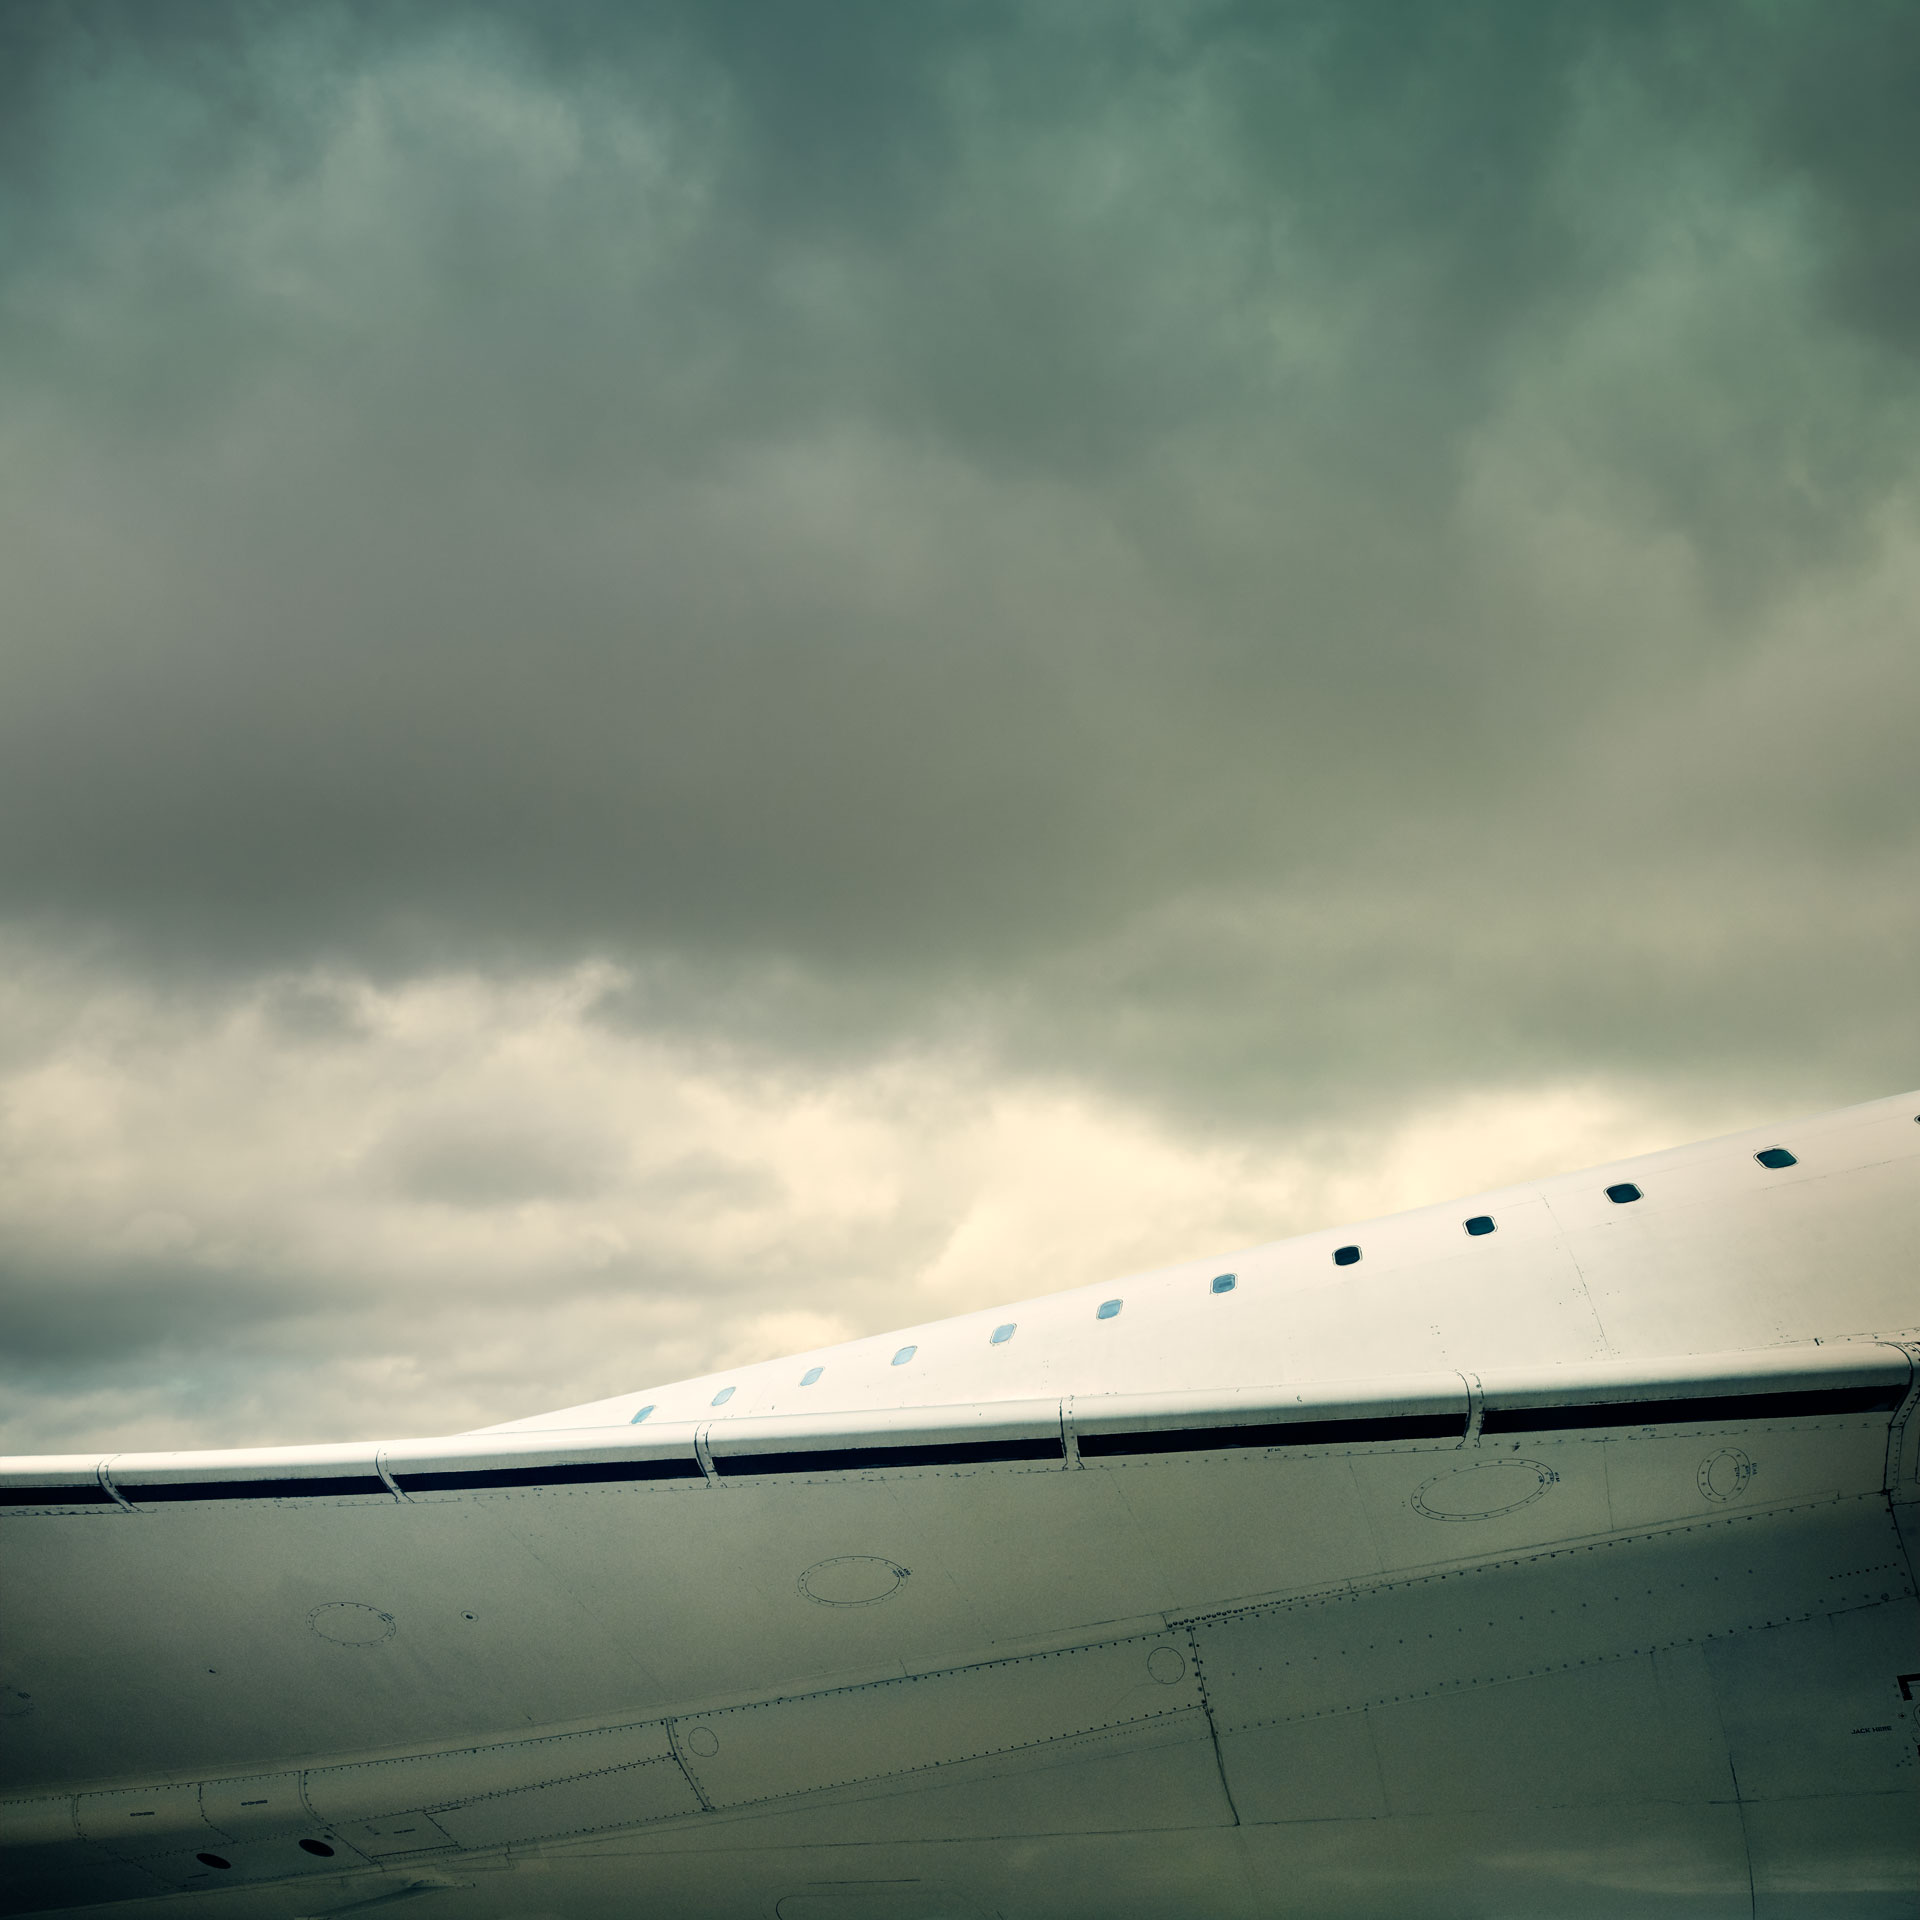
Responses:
[1167,1666]
[703,1743]
[349,1623]
[1724,1475]
[851,1580]
[1483,1491]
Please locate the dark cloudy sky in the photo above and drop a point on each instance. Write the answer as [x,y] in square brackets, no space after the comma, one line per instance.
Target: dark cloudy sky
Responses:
[682,679]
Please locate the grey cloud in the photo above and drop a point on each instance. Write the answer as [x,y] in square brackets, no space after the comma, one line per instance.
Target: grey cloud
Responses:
[1242,553]
[74,1317]
[481,1161]
[312,1011]
[710,1180]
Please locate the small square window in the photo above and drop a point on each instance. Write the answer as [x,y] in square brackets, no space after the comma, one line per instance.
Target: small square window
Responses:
[1345,1256]
[1223,1283]
[1775,1157]
[811,1375]
[1624,1193]
[1107,1309]
[638,1417]
[1480,1223]
[1001,1335]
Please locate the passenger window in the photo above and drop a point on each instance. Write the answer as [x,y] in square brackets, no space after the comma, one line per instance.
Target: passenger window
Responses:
[1001,1335]
[1223,1283]
[1345,1256]
[811,1375]
[905,1354]
[1107,1309]
[1625,1192]
[1775,1157]
[721,1398]
[638,1417]
[1480,1223]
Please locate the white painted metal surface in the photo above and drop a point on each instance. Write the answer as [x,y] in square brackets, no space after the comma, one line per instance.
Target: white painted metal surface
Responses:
[1562,1567]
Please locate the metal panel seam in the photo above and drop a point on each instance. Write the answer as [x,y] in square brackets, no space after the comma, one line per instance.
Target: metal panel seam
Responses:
[1213,1728]
[1475,1569]
[1476,1409]
[959,1759]
[380,1467]
[105,1477]
[533,1786]
[207,1819]
[1903,1419]
[1067,1652]
[680,1760]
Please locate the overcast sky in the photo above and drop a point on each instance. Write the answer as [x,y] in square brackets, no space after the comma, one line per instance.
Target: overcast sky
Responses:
[681,680]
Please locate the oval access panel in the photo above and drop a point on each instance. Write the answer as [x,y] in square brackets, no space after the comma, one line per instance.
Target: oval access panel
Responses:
[1724,1475]
[1483,1491]
[347,1623]
[851,1580]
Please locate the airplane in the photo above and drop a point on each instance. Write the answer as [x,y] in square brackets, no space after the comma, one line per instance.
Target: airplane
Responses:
[1551,1552]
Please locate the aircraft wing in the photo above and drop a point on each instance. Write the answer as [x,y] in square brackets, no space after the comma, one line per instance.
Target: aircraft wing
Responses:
[1152,1634]
[1592,1637]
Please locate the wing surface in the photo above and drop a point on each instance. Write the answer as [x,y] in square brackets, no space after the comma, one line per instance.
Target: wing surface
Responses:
[1249,1623]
